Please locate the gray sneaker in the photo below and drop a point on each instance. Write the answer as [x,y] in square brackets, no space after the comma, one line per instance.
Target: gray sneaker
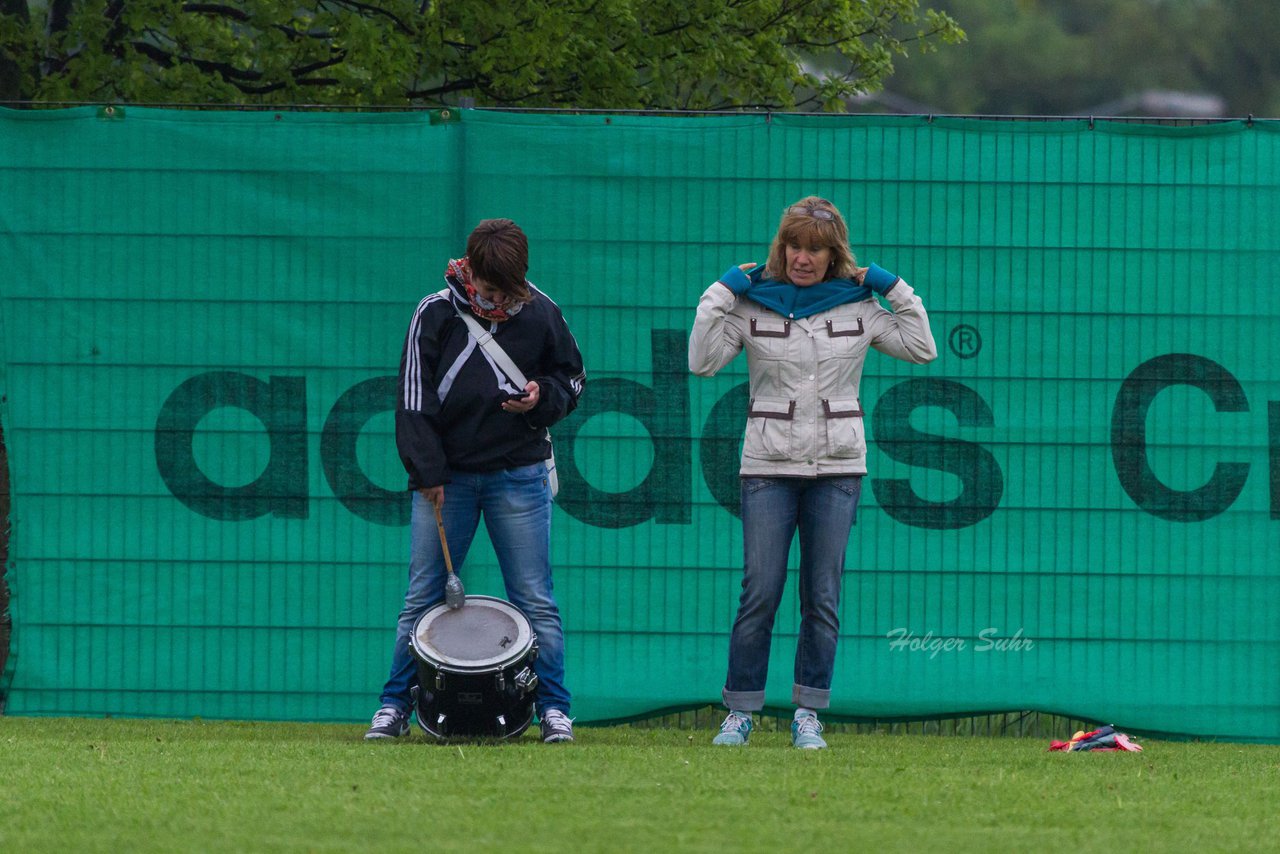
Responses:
[388,722]
[556,726]
[806,733]
[735,730]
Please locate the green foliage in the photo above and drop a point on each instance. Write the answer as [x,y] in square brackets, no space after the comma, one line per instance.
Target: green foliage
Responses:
[652,54]
[1057,57]
[80,784]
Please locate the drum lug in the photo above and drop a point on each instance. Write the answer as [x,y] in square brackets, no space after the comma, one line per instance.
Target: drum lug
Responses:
[502,724]
[502,681]
[439,681]
[526,680]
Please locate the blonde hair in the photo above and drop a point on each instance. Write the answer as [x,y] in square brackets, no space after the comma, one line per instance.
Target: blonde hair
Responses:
[803,228]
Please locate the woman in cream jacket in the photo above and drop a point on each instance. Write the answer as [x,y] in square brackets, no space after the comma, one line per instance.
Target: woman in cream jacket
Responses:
[806,320]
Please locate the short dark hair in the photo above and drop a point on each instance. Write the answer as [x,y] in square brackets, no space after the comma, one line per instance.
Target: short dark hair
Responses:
[499,253]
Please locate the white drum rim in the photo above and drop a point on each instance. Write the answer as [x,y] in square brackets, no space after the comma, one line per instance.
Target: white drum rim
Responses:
[433,656]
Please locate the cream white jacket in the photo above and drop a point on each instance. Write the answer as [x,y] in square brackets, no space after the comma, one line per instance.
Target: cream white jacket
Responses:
[805,416]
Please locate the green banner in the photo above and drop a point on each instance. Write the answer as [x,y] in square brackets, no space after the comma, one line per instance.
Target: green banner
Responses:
[1075,509]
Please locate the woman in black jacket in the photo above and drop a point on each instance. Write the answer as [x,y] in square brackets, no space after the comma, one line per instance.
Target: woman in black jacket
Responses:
[476,445]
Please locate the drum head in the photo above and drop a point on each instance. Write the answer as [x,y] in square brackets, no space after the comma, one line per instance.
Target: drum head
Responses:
[484,633]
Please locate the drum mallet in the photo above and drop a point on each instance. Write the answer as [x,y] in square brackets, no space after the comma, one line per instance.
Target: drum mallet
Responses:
[454,596]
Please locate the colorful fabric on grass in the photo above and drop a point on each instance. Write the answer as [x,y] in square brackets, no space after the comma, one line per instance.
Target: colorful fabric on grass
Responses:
[1102,739]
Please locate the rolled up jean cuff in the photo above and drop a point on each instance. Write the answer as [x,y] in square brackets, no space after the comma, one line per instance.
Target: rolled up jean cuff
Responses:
[810,698]
[743,701]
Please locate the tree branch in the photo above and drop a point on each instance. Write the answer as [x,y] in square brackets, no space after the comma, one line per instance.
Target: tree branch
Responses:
[165,58]
[336,59]
[444,88]
[375,10]
[241,16]
[217,9]
[59,16]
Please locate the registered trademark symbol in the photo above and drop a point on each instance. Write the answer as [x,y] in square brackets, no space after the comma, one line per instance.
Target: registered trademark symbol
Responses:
[965,341]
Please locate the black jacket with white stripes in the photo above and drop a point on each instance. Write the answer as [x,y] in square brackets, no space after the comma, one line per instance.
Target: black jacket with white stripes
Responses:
[449,412]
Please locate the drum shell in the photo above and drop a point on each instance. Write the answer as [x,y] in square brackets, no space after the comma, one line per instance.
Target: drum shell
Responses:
[489,697]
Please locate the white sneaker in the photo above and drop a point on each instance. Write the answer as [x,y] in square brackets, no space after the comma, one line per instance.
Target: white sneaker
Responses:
[556,726]
[735,730]
[806,732]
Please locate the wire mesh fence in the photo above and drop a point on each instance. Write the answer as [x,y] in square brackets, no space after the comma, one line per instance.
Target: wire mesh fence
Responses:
[170,677]
[5,624]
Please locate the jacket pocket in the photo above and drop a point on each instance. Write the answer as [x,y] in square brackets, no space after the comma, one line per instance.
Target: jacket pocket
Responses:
[770,327]
[844,427]
[845,327]
[769,338]
[770,423]
[844,338]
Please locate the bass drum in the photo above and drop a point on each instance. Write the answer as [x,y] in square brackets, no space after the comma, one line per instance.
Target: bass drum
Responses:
[475,669]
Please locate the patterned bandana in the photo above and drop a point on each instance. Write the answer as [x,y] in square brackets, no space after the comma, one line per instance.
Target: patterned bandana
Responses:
[458,276]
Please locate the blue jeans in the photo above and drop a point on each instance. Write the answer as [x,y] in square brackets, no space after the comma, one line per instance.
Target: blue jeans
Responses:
[516,505]
[773,508]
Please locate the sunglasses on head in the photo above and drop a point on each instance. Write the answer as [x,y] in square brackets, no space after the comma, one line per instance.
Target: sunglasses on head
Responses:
[815,212]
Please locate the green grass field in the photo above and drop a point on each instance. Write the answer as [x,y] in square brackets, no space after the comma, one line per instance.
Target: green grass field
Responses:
[129,785]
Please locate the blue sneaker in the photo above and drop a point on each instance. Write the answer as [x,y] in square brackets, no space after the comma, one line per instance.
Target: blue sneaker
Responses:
[736,729]
[806,732]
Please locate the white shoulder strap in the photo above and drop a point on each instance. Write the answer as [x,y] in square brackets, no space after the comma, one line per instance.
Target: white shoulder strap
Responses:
[485,339]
